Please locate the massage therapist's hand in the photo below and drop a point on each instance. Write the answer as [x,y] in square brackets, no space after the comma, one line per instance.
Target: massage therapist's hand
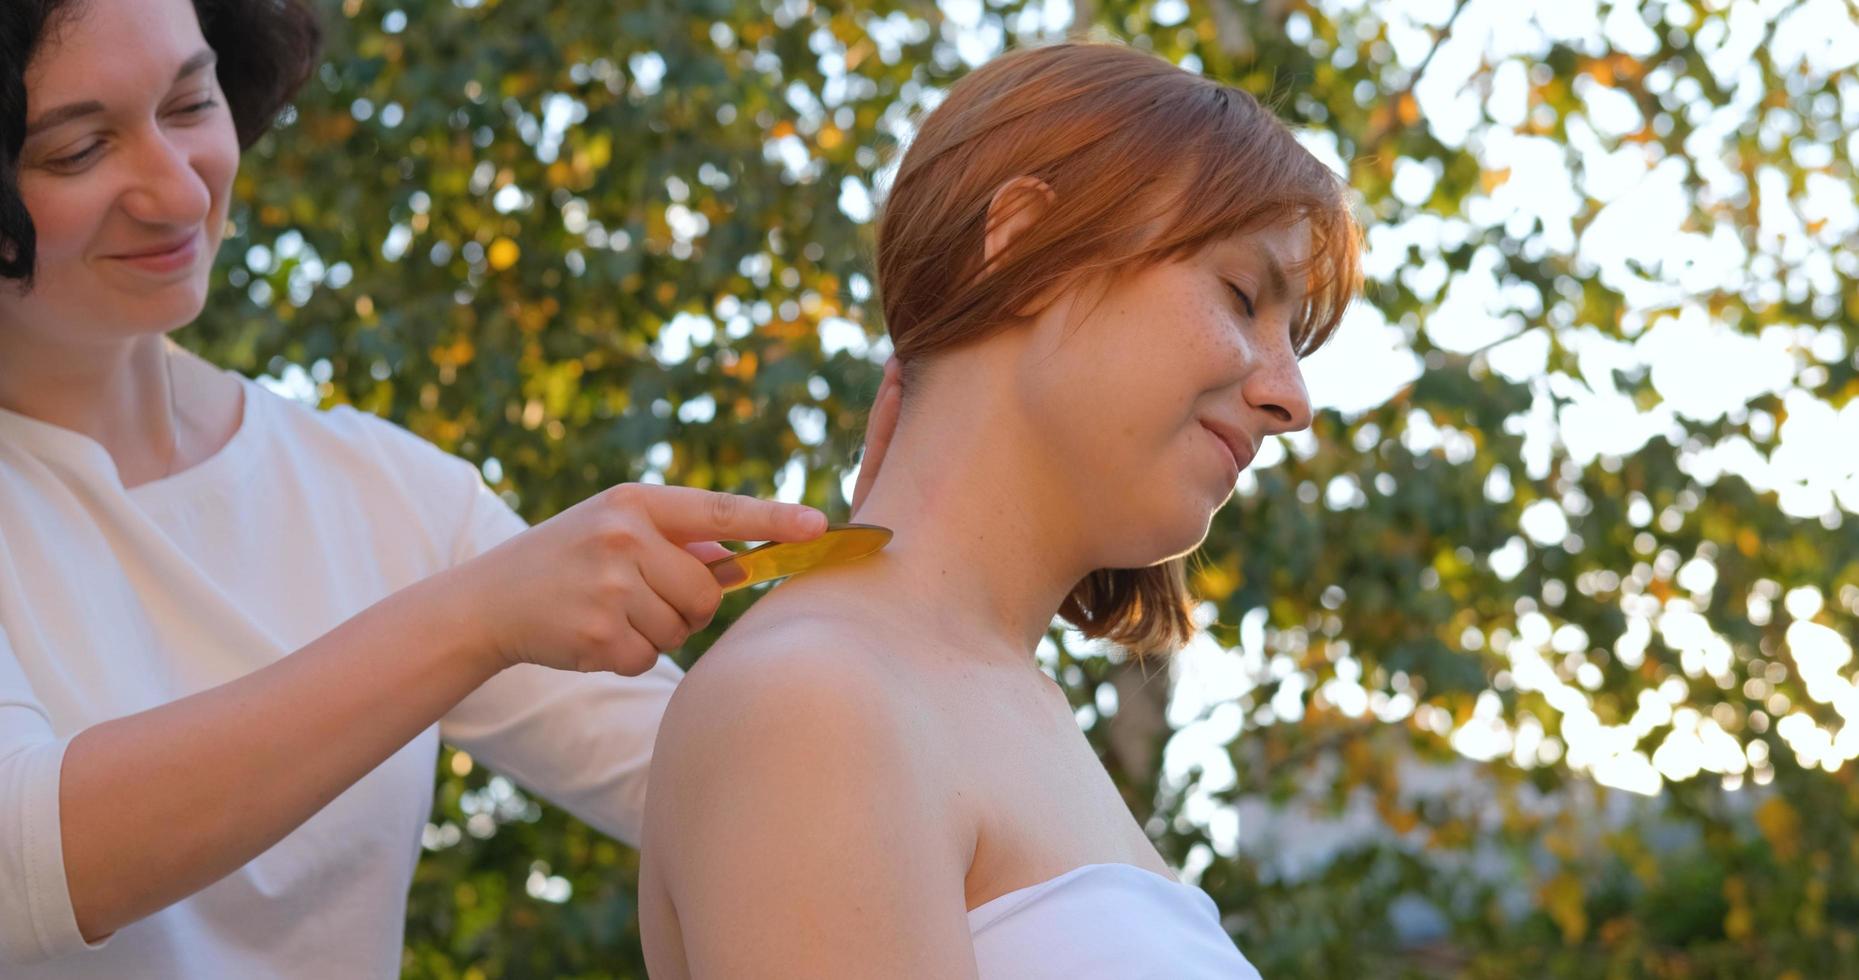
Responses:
[614,580]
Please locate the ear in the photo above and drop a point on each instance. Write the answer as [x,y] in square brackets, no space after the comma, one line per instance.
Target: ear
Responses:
[1017,205]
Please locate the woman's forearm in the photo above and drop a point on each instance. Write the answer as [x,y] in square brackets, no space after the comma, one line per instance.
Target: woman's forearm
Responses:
[160,804]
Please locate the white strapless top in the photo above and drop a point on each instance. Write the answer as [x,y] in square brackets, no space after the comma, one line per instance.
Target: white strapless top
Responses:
[1105,922]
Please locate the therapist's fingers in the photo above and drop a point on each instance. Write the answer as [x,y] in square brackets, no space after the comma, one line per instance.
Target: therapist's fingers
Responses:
[653,617]
[608,584]
[682,581]
[879,429]
[707,551]
[685,514]
[710,551]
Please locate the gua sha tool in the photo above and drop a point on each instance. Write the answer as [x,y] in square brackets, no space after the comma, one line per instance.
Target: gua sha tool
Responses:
[777,559]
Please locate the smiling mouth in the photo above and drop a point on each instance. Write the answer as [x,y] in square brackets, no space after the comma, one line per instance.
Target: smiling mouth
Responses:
[168,261]
[1239,449]
[160,251]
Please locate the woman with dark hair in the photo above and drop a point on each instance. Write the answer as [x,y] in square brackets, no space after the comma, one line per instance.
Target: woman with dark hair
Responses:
[1100,272]
[233,629]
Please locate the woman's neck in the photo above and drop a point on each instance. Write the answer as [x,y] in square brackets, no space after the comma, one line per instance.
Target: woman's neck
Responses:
[132,397]
[988,543]
[99,390]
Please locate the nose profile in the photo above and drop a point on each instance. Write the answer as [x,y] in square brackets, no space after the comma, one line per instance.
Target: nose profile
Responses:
[167,189]
[1276,391]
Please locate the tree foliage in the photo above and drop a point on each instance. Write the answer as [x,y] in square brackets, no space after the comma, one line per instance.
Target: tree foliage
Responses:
[1591,540]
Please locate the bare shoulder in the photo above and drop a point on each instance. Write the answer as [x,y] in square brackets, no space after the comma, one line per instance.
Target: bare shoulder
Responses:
[812,676]
[790,705]
[795,818]
[811,652]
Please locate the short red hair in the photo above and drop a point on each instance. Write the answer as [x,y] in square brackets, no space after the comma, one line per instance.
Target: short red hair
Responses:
[1146,162]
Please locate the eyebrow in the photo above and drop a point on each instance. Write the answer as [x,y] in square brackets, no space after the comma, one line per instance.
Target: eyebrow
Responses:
[78,110]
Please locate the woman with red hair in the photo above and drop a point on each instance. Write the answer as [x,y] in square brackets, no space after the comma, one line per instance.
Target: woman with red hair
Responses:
[1100,272]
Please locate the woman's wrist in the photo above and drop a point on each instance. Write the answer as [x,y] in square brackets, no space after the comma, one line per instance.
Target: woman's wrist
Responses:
[447,615]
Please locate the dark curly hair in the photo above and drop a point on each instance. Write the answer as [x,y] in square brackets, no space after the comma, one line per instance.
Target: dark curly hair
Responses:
[266,48]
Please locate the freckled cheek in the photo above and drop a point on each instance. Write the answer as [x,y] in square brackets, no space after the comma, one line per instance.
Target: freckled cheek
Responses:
[1215,348]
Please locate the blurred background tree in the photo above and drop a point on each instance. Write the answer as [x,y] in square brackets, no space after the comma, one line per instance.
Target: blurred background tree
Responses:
[1531,658]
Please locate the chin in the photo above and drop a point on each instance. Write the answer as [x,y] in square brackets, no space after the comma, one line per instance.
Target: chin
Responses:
[1160,538]
[1193,524]
[163,312]
[1188,542]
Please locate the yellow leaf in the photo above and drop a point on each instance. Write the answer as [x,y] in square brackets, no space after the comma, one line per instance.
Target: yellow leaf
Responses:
[1217,581]
[1781,824]
[742,367]
[503,254]
[1400,819]
[787,329]
[455,354]
[1747,542]
[1562,899]
[1738,923]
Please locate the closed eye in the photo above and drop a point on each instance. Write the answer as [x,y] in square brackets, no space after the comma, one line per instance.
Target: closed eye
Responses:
[1244,299]
[75,160]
